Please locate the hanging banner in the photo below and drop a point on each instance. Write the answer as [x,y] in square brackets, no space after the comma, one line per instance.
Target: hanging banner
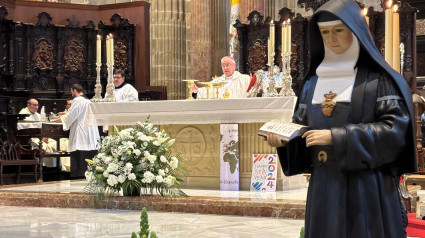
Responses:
[229,157]
[264,172]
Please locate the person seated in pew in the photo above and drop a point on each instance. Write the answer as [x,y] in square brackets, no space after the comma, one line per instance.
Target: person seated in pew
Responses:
[236,86]
[48,145]
[124,92]
[31,110]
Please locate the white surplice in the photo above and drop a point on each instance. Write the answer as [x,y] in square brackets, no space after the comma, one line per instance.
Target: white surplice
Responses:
[79,138]
[32,117]
[236,86]
[126,93]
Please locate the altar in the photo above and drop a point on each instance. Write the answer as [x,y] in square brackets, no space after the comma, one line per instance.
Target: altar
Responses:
[195,124]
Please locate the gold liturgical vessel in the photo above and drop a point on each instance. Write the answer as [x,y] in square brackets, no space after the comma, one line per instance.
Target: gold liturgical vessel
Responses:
[190,84]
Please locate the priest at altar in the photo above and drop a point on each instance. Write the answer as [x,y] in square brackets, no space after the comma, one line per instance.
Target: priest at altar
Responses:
[236,84]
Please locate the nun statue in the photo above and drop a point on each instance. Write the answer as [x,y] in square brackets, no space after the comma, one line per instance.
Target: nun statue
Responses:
[360,139]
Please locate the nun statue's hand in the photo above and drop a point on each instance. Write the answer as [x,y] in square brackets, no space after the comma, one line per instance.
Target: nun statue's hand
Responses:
[318,137]
[273,140]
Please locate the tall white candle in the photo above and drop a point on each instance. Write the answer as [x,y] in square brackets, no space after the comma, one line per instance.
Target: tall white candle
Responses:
[289,31]
[396,39]
[284,33]
[272,36]
[98,49]
[112,49]
[389,33]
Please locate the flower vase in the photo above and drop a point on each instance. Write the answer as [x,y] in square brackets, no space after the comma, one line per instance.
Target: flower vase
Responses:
[130,191]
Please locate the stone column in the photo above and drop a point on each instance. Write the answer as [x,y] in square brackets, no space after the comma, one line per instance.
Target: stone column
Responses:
[269,9]
[220,18]
[168,46]
[201,45]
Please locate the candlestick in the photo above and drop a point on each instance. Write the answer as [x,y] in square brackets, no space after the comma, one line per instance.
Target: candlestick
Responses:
[396,39]
[98,49]
[98,87]
[389,33]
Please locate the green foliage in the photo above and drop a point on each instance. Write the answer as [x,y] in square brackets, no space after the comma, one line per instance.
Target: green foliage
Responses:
[133,159]
[144,223]
[302,232]
[144,227]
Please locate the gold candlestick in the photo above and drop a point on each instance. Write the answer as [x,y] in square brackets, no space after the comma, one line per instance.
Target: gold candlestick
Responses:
[98,87]
[110,87]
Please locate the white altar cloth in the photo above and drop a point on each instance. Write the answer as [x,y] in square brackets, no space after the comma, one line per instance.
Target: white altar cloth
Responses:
[217,111]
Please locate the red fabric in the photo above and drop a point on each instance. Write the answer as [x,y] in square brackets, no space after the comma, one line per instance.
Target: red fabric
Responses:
[416,227]
[253,79]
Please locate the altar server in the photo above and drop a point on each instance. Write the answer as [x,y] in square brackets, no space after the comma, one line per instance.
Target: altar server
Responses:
[361,138]
[236,83]
[124,92]
[82,142]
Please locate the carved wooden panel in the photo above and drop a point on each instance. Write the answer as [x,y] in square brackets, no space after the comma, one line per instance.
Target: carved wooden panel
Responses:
[123,33]
[44,60]
[257,56]
[6,65]
[253,38]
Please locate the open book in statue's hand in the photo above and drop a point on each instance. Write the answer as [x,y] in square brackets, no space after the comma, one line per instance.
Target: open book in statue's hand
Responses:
[286,131]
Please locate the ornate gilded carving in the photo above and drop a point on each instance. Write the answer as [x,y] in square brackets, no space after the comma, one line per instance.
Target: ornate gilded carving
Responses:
[74,57]
[257,57]
[120,55]
[43,55]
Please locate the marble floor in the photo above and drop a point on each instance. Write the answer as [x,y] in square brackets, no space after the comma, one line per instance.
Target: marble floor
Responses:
[70,222]
[28,221]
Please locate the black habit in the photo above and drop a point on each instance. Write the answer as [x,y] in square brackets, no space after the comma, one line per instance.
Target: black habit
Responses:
[355,192]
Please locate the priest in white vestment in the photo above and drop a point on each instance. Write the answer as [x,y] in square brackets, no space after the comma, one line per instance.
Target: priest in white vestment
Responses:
[236,83]
[31,110]
[82,142]
[47,144]
[124,92]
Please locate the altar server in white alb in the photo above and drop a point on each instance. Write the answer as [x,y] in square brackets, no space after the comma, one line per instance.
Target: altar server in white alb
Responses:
[236,83]
[82,141]
[124,92]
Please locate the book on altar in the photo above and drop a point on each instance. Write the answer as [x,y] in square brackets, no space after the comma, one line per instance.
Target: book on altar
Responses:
[286,131]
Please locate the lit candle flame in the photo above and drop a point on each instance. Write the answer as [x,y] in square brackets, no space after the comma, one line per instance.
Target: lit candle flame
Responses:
[395,7]
[365,11]
[389,4]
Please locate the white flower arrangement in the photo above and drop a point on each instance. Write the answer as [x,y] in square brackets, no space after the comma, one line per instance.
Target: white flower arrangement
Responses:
[132,159]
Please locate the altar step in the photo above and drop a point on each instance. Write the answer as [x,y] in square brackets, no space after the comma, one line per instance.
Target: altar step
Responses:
[68,194]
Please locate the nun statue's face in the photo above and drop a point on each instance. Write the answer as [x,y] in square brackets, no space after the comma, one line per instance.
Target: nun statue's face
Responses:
[338,37]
